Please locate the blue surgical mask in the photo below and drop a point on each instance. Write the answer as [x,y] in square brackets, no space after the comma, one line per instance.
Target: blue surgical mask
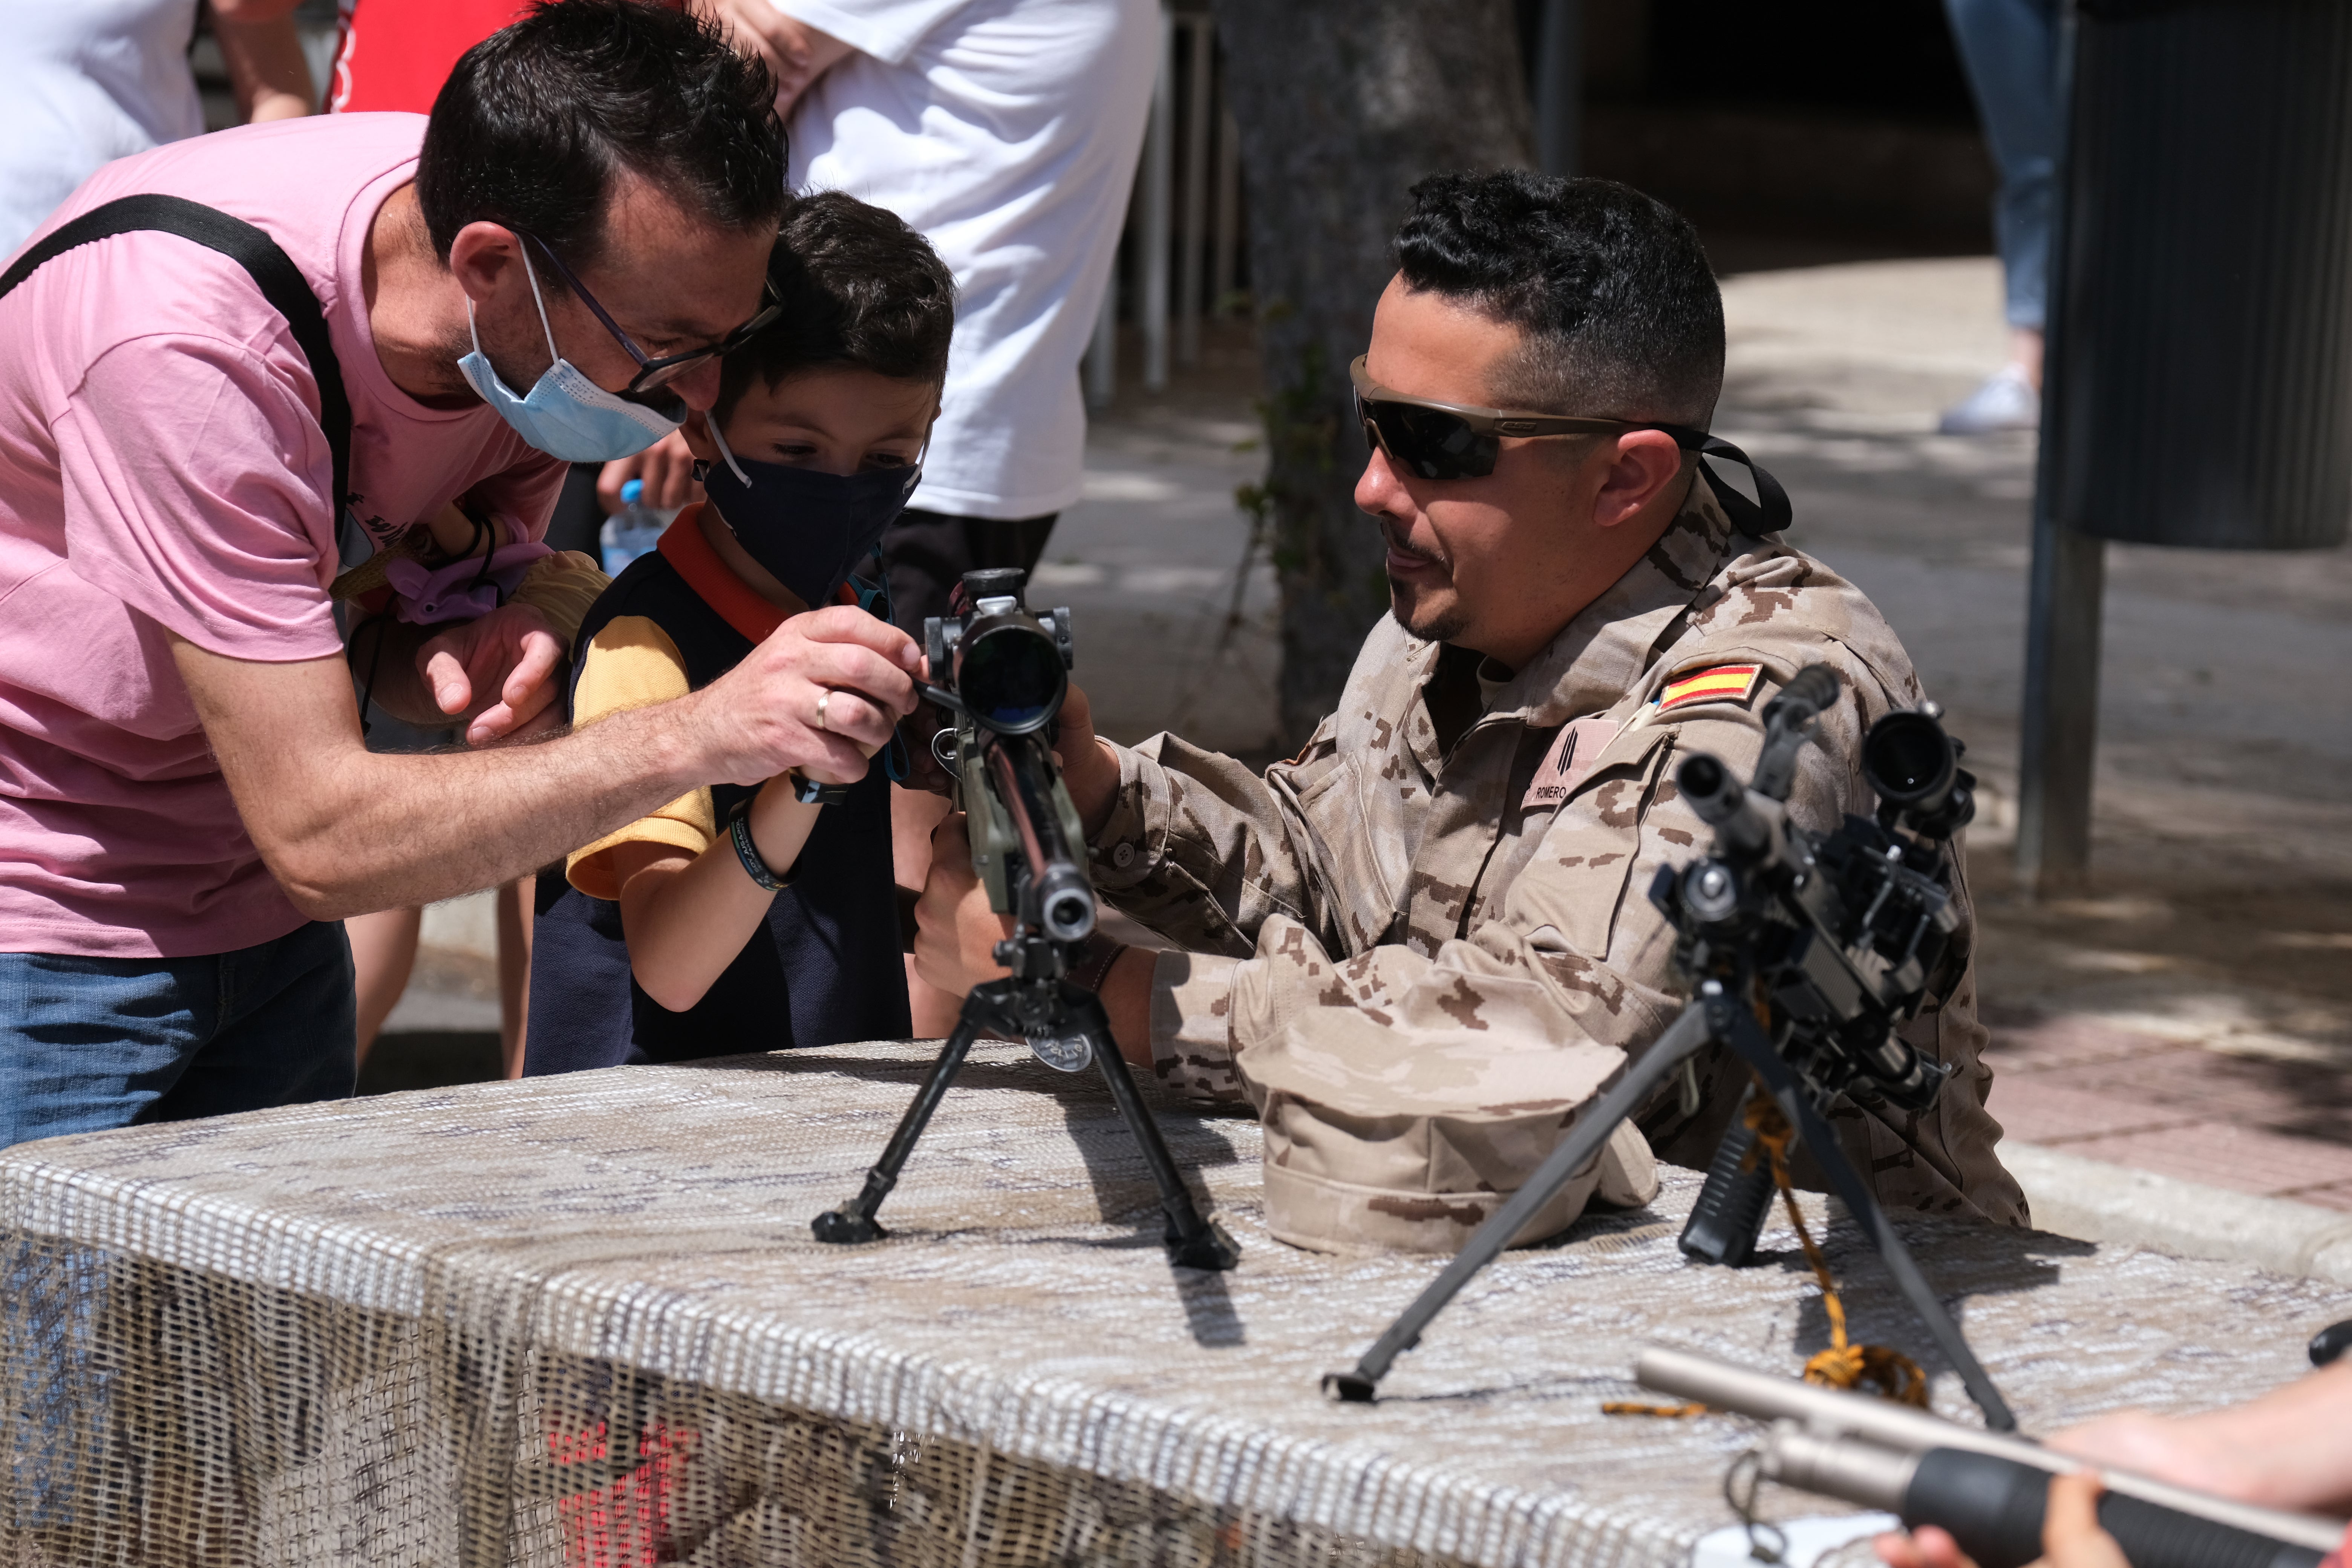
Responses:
[810,529]
[567,416]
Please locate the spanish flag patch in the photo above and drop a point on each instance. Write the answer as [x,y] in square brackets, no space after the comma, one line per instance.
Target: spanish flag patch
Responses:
[1724,683]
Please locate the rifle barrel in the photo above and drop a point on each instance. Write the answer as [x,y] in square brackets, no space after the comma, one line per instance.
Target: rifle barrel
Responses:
[1020,768]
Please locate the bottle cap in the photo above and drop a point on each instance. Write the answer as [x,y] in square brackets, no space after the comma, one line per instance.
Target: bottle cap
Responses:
[631,490]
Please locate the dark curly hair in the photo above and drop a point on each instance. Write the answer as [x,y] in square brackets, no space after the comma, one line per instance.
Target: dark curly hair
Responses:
[858,288]
[1611,289]
[533,124]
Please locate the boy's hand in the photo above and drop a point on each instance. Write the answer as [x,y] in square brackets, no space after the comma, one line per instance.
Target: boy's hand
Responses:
[761,719]
[956,932]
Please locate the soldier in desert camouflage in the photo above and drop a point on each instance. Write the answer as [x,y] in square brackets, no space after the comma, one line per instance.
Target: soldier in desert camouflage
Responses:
[1437,909]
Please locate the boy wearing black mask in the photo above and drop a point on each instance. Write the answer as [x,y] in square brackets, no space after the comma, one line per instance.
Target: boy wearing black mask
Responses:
[742,919]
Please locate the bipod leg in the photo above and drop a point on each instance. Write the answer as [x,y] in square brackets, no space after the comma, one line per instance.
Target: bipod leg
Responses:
[1740,1031]
[1191,1241]
[854,1221]
[1688,1036]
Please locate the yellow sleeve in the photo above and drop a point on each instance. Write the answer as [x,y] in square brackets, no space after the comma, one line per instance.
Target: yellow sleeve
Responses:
[632,663]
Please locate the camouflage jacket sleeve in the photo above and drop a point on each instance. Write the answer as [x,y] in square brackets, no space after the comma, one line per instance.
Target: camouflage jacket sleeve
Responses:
[1556,936]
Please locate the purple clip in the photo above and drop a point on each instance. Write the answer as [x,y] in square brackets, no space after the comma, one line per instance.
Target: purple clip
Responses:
[463,590]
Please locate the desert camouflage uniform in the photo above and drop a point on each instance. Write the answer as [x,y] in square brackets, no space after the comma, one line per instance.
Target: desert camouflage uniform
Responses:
[1381,880]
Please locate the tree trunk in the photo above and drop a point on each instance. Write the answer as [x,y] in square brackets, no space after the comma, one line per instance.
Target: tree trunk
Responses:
[1343,105]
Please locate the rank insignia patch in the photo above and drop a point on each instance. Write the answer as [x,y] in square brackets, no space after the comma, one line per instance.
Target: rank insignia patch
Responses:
[1724,683]
[1573,753]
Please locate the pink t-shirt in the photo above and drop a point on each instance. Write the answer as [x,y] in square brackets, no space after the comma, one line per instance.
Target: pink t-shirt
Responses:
[161,468]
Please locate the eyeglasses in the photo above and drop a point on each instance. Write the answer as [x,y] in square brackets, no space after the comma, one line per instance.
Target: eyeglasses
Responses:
[1460,441]
[657,372]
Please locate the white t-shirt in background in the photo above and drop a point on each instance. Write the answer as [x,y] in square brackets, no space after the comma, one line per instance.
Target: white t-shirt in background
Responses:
[87,82]
[1006,131]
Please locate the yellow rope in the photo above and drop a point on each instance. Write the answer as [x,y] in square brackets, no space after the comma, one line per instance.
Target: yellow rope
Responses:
[1844,1365]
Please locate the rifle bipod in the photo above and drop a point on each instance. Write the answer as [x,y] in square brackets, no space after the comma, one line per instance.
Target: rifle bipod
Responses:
[1711,1018]
[1079,1020]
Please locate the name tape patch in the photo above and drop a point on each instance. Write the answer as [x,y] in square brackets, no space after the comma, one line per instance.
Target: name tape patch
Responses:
[1573,751]
[1724,683]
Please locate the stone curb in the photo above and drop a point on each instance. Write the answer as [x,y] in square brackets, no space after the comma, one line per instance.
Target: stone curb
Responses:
[2091,1200]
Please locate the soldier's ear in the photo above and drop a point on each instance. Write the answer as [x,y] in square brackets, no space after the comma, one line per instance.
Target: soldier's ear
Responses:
[1642,466]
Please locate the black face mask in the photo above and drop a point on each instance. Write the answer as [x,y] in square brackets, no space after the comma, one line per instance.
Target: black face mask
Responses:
[810,529]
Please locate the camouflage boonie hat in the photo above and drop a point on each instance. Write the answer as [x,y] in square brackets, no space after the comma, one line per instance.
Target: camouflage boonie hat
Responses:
[1382,1142]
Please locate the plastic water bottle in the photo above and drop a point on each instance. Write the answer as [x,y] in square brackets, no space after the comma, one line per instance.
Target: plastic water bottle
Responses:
[630,531]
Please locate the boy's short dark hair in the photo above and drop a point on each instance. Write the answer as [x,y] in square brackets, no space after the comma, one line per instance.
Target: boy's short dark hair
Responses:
[1621,312]
[537,119]
[858,288]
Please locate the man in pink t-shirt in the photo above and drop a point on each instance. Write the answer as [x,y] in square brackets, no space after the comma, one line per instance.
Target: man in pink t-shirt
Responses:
[553,262]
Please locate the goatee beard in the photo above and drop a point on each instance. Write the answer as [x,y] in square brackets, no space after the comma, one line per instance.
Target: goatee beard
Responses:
[1432,626]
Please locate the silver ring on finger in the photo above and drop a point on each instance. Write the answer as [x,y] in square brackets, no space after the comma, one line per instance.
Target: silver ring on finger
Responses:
[822,698]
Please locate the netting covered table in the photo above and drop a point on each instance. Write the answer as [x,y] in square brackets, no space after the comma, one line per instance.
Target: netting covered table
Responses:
[582,1320]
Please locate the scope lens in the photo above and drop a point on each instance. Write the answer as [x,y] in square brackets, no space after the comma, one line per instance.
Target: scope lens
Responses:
[1907,758]
[1012,679]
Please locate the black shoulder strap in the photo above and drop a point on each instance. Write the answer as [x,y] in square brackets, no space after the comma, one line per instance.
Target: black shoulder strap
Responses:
[273,271]
[1768,513]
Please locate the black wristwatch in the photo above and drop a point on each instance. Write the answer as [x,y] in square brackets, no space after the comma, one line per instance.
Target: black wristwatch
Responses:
[808,792]
[738,830]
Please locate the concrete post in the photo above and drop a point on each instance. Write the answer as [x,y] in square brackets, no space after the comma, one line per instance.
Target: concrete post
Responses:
[1102,352]
[1228,245]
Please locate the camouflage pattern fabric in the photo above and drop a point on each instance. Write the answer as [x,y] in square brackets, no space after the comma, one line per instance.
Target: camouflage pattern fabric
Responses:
[1386,882]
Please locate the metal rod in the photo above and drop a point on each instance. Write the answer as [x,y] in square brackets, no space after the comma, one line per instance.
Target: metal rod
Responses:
[1201,40]
[1159,169]
[1102,350]
[1685,1039]
[1826,1412]
[2060,723]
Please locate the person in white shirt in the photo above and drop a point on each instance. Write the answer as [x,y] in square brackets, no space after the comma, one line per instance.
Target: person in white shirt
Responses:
[1005,132]
[93,80]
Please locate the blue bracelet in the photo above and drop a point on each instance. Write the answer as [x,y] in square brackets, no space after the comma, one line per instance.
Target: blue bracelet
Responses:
[739,828]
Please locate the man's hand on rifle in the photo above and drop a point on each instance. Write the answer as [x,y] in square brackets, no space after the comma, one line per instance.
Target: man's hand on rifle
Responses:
[763,716]
[2071,1536]
[956,931]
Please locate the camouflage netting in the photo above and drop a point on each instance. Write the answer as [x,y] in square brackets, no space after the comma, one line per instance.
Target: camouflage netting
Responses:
[581,1321]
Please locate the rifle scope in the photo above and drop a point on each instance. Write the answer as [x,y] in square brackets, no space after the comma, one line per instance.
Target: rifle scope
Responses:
[1911,765]
[1009,671]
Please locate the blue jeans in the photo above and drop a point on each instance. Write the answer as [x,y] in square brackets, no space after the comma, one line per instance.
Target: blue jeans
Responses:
[2011,50]
[92,1043]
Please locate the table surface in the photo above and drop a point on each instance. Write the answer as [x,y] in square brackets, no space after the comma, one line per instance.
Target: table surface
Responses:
[659,1217]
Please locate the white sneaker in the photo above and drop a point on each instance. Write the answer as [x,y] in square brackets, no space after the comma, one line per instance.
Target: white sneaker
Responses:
[2006,402]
